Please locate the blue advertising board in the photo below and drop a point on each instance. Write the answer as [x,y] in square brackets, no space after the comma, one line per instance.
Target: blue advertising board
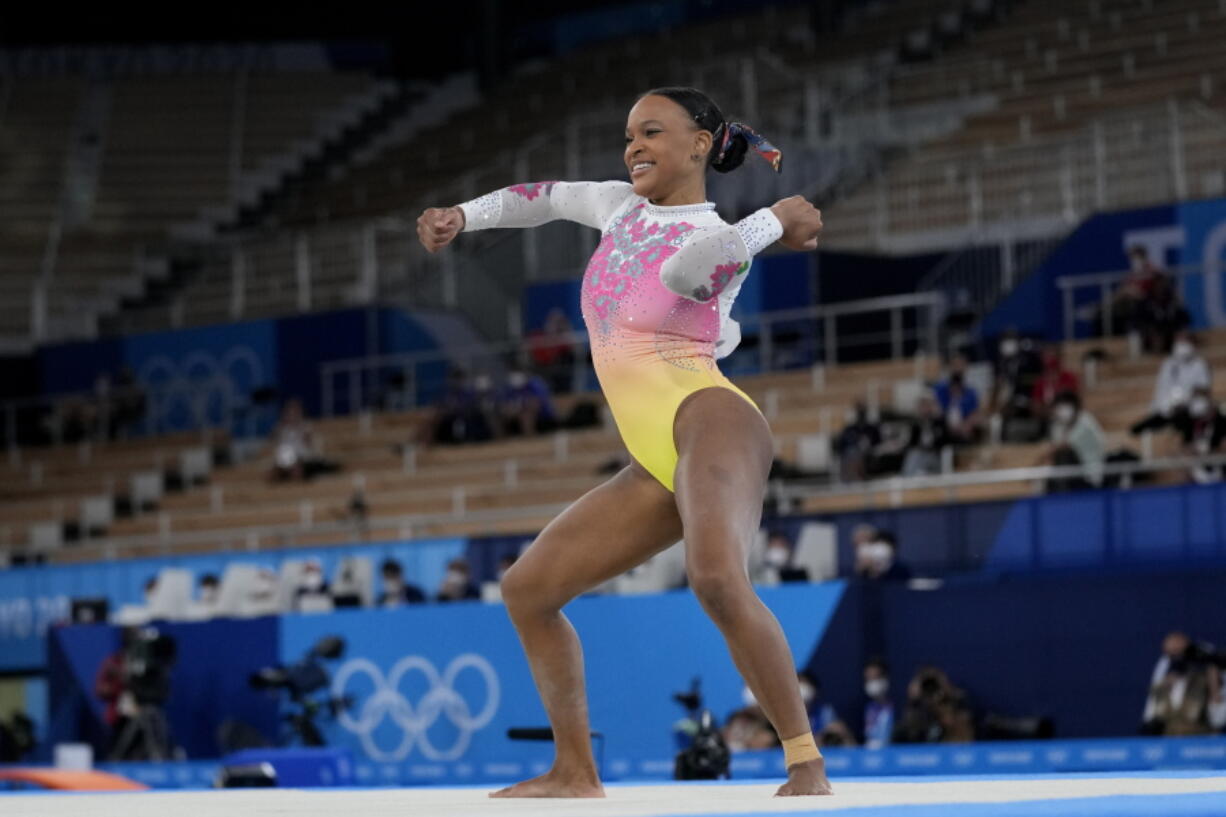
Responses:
[435,689]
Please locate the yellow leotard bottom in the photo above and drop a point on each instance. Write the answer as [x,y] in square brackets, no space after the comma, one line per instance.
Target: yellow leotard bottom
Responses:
[645,380]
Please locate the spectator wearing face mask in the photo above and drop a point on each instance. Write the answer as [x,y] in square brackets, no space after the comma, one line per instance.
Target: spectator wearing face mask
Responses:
[1127,304]
[959,403]
[1202,428]
[396,591]
[457,582]
[1017,369]
[1051,383]
[877,559]
[312,592]
[295,449]
[1182,373]
[1185,693]
[777,564]
[525,406]
[208,594]
[879,711]
[1076,439]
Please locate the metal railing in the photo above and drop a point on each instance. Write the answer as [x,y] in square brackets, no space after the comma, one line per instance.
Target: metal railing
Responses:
[894,489]
[253,538]
[771,341]
[1087,300]
[361,261]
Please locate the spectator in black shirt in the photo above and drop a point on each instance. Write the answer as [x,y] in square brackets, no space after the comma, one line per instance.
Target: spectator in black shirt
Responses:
[1202,427]
[457,583]
[928,436]
[396,591]
[856,446]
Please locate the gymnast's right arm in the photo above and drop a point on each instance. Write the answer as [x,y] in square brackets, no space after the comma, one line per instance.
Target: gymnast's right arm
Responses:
[524,205]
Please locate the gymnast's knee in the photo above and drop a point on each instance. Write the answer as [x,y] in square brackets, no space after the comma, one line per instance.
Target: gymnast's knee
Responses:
[525,593]
[725,593]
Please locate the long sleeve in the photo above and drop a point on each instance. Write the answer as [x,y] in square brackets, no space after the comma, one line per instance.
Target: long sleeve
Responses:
[536,203]
[716,257]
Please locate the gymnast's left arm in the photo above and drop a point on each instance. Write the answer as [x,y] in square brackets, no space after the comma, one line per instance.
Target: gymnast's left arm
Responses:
[716,257]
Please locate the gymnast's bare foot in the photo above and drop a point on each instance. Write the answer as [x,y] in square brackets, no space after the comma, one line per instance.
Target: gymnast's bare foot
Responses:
[806,778]
[555,784]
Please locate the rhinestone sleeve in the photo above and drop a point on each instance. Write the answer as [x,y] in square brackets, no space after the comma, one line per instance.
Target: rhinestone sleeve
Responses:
[534,203]
[715,259]
[759,230]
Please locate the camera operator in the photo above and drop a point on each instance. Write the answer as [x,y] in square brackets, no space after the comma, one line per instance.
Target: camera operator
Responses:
[136,681]
[110,687]
[936,711]
[1185,692]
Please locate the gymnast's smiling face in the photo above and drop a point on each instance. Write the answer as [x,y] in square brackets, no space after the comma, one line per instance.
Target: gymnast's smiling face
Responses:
[666,150]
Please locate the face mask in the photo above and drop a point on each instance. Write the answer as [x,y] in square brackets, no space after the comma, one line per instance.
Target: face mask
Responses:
[807,692]
[1064,413]
[456,577]
[517,380]
[876,688]
[313,581]
[1008,348]
[878,553]
[1198,407]
[1184,350]
[481,383]
[776,557]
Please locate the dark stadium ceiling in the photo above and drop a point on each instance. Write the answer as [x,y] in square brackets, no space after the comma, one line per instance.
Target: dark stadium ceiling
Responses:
[419,35]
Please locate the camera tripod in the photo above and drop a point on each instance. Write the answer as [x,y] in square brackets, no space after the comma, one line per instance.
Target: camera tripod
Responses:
[146,736]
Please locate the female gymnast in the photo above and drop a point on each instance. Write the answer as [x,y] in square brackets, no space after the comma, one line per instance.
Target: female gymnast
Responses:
[656,298]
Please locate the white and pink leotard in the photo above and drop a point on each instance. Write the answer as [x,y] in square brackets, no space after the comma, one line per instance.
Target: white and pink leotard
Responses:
[656,296]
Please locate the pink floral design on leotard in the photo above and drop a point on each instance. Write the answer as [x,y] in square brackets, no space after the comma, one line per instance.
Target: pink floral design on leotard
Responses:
[723,275]
[629,248]
[531,190]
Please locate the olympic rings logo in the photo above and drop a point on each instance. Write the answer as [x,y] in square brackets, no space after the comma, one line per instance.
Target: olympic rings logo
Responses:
[441,700]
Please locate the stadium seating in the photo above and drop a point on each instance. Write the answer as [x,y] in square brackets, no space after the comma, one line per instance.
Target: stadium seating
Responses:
[166,155]
[506,486]
[1056,69]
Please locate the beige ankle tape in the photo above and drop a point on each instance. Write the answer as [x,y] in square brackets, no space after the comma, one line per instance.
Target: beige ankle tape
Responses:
[800,749]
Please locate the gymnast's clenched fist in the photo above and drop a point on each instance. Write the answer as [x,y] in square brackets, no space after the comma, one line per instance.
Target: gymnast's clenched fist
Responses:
[438,226]
[801,222]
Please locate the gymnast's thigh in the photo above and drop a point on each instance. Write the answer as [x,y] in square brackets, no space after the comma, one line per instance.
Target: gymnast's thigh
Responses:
[617,525]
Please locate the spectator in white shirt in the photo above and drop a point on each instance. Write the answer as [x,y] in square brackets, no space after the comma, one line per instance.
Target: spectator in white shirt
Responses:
[1182,373]
[1076,439]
